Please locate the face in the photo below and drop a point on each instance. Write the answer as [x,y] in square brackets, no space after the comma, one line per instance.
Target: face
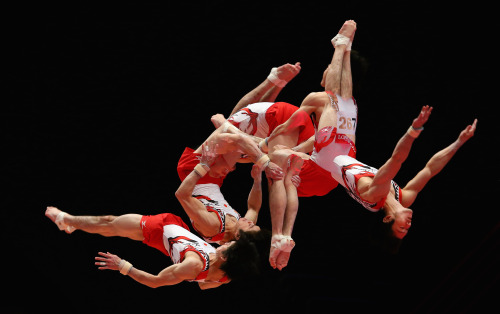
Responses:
[402,222]
[221,249]
[220,168]
[323,80]
[247,225]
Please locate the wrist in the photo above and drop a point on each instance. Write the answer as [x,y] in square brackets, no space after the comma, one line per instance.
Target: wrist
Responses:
[263,145]
[201,169]
[263,161]
[414,132]
[124,267]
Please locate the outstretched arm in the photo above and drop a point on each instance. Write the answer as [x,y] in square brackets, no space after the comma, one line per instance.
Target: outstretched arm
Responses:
[435,165]
[381,183]
[188,269]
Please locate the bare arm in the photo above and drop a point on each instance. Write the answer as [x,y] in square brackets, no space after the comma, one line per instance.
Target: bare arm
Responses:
[255,196]
[206,222]
[435,165]
[381,183]
[188,269]
[306,146]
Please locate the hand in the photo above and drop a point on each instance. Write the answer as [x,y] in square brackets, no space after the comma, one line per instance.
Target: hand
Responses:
[108,261]
[288,71]
[466,134]
[273,171]
[422,117]
[295,180]
[217,120]
[208,154]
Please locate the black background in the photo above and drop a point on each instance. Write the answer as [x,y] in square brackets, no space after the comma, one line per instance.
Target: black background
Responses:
[104,100]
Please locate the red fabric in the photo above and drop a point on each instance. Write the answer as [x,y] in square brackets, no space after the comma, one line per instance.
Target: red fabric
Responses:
[186,164]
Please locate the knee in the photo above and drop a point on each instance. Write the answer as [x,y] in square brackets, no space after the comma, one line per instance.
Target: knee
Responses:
[108,219]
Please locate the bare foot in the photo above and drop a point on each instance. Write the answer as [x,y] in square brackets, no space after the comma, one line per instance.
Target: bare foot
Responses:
[275,249]
[288,71]
[57,216]
[348,29]
[284,256]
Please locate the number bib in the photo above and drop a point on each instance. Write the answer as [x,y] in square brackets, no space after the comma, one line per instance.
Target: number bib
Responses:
[346,122]
[347,114]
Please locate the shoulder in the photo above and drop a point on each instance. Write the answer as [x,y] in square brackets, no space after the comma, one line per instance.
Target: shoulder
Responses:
[192,264]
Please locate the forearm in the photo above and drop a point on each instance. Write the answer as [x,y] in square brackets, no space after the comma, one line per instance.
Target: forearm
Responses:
[402,149]
[186,188]
[254,201]
[441,158]
[306,146]
[249,147]
[153,281]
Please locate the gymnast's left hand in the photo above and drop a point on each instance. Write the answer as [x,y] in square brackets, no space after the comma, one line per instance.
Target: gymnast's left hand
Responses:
[273,171]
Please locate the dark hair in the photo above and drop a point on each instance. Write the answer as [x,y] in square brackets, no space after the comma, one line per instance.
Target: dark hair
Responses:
[244,257]
[382,234]
[359,70]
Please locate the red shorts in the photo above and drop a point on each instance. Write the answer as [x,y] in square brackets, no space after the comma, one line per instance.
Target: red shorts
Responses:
[152,229]
[314,180]
[279,113]
[186,164]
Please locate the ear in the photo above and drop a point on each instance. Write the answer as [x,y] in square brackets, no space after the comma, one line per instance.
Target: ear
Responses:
[387,219]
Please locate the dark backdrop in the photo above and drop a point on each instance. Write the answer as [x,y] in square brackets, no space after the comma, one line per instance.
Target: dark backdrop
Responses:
[105,99]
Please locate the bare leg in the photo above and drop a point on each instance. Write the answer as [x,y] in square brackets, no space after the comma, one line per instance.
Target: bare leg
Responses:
[277,207]
[128,226]
[283,207]
[333,75]
[290,213]
[346,80]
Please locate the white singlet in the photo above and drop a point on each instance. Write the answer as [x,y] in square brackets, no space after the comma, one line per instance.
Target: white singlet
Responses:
[211,197]
[178,241]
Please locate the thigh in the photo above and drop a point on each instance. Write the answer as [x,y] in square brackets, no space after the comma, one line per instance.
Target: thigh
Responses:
[129,225]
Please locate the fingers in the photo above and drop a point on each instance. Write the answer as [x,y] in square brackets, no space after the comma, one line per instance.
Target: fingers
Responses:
[473,126]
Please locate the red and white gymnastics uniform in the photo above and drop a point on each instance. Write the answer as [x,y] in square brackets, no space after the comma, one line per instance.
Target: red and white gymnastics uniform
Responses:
[349,170]
[207,190]
[316,173]
[169,234]
[260,119]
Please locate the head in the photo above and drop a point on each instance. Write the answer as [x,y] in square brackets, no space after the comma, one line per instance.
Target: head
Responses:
[323,79]
[245,224]
[400,222]
[220,168]
[243,257]
[390,229]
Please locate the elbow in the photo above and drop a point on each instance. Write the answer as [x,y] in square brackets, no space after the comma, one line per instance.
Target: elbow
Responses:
[180,194]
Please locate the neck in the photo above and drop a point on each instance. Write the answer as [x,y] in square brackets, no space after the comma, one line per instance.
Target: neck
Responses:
[214,272]
[230,229]
[392,206]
